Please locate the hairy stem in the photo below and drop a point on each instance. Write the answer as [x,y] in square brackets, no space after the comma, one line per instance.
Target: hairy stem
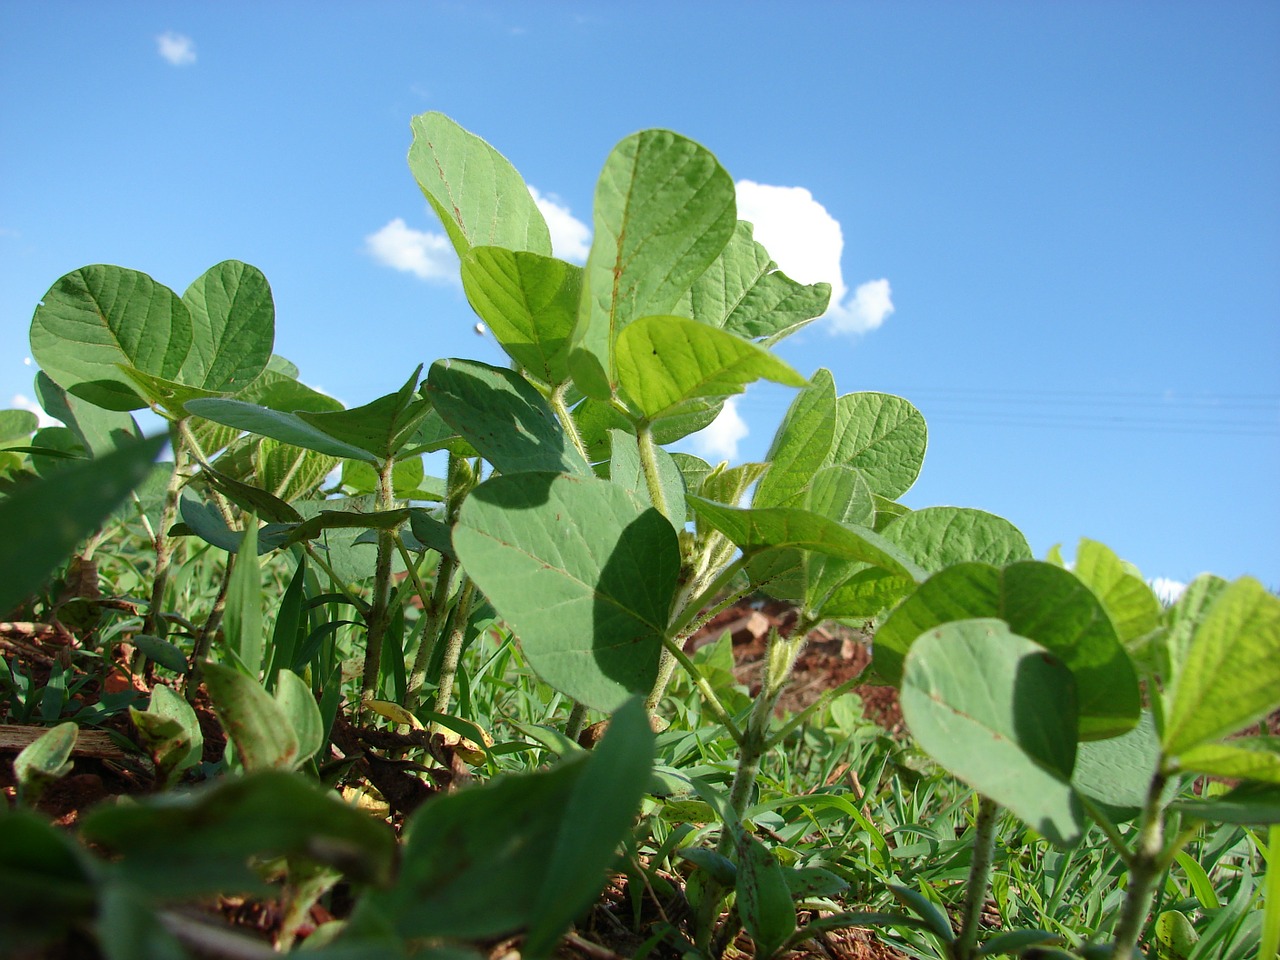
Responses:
[1145,864]
[453,646]
[204,639]
[565,417]
[577,720]
[652,478]
[984,847]
[379,611]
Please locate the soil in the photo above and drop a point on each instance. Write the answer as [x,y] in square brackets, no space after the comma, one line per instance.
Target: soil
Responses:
[108,769]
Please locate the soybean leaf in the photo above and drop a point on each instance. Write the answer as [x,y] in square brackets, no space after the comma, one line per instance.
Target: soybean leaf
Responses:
[1117,772]
[744,292]
[476,192]
[1130,603]
[96,318]
[839,493]
[598,814]
[233,327]
[582,570]
[263,737]
[285,427]
[500,414]
[998,712]
[1253,803]
[454,858]
[1183,619]
[664,362]
[801,445]
[170,731]
[938,537]
[1232,672]
[883,436]
[100,431]
[299,708]
[1249,758]
[764,897]
[530,303]
[351,558]
[725,484]
[80,497]
[756,529]
[664,210]
[1040,601]
[625,469]
[20,424]
[201,841]
[44,760]
[383,427]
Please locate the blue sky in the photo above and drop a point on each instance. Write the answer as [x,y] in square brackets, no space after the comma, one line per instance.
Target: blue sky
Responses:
[1056,226]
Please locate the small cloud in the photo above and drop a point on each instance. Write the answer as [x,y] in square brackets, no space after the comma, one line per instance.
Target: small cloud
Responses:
[570,237]
[870,304]
[20,401]
[9,232]
[807,243]
[719,439]
[1167,590]
[427,255]
[177,48]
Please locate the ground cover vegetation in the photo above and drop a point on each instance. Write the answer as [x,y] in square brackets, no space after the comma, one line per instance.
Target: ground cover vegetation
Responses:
[377,713]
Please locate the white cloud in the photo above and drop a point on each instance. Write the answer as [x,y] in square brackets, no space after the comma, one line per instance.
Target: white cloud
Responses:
[427,255]
[1167,590]
[570,237]
[719,439]
[20,401]
[177,48]
[806,243]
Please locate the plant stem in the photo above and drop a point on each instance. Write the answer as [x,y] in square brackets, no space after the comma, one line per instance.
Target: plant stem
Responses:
[565,417]
[379,609]
[200,649]
[652,478]
[577,720]
[453,646]
[434,616]
[708,693]
[984,847]
[1145,864]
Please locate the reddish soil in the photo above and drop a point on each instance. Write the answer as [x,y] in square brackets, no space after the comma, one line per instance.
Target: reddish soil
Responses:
[108,769]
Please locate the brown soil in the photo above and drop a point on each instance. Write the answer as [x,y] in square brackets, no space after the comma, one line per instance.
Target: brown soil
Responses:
[105,769]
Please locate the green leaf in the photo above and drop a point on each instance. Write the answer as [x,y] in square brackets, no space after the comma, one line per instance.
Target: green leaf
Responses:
[1252,803]
[582,570]
[99,431]
[744,292]
[1131,604]
[764,897]
[18,424]
[938,537]
[1040,601]
[476,192]
[1176,935]
[298,706]
[560,828]
[663,362]
[233,321]
[883,436]
[45,885]
[45,760]
[242,622]
[263,737]
[998,712]
[839,493]
[170,732]
[664,210]
[384,427]
[801,445]
[285,427]
[933,917]
[599,813]
[1249,758]
[772,527]
[99,317]
[1232,672]
[80,498]
[530,303]
[1117,772]
[183,844]
[625,469]
[500,414]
